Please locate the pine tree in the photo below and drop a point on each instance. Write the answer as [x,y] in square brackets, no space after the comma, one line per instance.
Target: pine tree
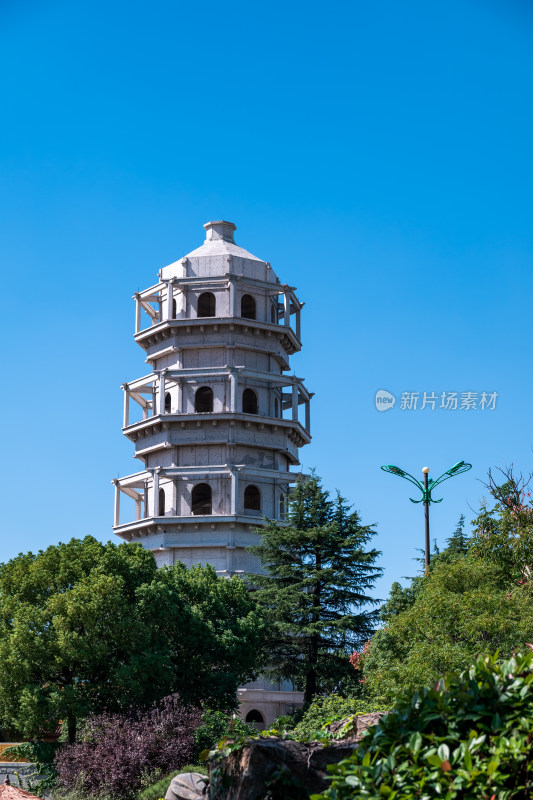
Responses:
[315,592]
[457,544]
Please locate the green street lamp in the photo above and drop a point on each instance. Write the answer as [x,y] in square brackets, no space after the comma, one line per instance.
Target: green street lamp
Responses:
[426,489]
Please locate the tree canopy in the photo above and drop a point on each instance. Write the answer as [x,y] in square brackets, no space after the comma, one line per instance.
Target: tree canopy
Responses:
[86,626]
[319,570]
[476,599]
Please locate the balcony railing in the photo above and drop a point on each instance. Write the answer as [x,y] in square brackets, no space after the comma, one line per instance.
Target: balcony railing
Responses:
[168,301]
[144,489]
[162,393]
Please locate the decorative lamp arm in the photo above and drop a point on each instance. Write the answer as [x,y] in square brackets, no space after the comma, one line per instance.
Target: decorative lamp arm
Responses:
[401,473]
[457,469]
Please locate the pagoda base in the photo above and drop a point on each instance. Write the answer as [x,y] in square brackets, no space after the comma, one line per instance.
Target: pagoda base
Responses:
[222,543]
[269,700]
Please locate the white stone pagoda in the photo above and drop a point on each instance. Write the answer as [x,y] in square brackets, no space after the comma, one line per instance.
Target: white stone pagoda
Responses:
[216,422]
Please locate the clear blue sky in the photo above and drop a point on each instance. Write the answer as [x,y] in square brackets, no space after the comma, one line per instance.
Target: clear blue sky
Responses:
[378,154]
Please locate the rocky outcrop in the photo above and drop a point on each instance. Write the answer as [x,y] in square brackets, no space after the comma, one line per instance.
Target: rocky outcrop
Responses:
[277,768]
[271,768]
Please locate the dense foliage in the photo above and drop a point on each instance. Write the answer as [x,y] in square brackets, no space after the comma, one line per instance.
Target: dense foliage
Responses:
[468,737]
[326,709]
[219,646]
[116,752]
[315,593]
[86,626]
[216,725]
[462,609]
[476,599]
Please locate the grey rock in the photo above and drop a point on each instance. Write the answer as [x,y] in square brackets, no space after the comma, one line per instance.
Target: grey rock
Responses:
[187,786]
[284,767]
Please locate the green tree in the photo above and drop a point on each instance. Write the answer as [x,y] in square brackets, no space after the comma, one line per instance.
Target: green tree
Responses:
[86,626]
[400,599]
[220,645]
[476,599]
[464,608]
[457,544]
[315,593]
[503,534]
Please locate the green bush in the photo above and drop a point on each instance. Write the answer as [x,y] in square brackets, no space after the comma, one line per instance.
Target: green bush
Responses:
[217,725]
[329,708]
[469,737]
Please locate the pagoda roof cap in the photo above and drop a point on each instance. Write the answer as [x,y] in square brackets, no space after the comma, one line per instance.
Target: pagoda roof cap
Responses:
[219,241]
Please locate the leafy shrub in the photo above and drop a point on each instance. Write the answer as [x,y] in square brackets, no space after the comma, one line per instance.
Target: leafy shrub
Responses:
[217,725]
[158,788]
[329,708]
[287,722]
[468,737]
[76,794]
[119,753]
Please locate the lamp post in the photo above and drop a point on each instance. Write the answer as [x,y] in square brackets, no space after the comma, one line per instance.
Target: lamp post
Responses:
[426,489]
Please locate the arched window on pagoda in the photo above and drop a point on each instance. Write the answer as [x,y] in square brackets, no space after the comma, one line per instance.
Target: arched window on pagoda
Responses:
[248,308]
[206,305]
[252,498]
[203,400]
[161,501]
[276,408]
[282,506]
[249,402]
[168,402]
[201,499]
[174,308]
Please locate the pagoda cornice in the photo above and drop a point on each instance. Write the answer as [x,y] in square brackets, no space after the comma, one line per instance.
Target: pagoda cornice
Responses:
[198,281]
[137,479]
[211,420]
[272,287]
[162,331]
[192,373]
[151,525]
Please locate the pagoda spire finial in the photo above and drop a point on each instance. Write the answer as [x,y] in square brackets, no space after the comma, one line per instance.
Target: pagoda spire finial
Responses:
[220,229]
